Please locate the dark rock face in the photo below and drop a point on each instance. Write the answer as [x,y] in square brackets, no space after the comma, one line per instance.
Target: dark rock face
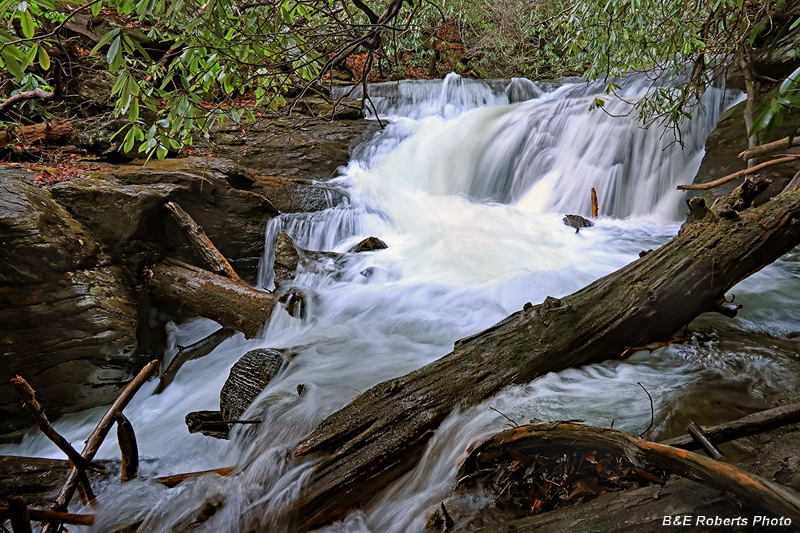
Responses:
[67,314]
[249,376]
[123,208]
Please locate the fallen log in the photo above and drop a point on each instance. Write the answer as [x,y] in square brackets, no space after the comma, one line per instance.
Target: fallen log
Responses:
[35,133]
[743,427]
[200,242]
[382,433]
[531,440]
[51,516]
[202,293]
[98,436]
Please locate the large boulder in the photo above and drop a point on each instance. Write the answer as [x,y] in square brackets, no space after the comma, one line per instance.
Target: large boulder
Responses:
[67,314]
[123,207]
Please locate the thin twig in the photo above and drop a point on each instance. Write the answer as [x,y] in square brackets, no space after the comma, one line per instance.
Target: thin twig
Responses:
[652,411]
[516,425]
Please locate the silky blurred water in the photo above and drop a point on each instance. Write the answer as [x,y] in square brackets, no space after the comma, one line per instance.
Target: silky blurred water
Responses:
[467,185]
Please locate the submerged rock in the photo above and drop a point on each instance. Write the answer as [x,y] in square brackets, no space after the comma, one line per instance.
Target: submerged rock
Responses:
[577,222]
[370,244]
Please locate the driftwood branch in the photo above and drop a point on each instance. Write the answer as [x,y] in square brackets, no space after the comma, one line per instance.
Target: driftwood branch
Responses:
[743,427]
[197,350]
[52,516]
[200,242]
[98,436]
[129,450]
[731,177]
[769,148]
[382,433]
[37,93]
[749,488]
[595,208]
[173,481]
[28,396]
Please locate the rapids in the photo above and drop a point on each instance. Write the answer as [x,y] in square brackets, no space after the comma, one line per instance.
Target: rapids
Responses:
[467,184]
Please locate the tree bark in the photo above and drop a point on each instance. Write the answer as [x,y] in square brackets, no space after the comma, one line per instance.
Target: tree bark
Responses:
[381,434]
[43,133]
[231,303]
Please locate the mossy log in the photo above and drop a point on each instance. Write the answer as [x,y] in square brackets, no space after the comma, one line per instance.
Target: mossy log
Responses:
[202,293]
[382,433]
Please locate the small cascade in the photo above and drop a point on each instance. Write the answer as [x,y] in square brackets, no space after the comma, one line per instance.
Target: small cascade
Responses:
[467,184]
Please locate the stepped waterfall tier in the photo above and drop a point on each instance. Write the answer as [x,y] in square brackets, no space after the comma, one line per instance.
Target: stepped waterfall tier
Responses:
[467,184]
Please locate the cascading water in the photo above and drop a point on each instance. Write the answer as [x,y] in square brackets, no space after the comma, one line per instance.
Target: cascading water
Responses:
[468,190]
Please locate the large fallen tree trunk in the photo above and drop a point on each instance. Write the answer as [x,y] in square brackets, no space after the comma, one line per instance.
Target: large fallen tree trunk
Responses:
[202,293]
[381,434]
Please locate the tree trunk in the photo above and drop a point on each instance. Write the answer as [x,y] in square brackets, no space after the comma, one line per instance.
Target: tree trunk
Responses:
[381,434]
[231,303]
[751,87]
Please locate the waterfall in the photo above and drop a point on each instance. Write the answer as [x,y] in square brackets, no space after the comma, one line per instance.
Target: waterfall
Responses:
[467,184]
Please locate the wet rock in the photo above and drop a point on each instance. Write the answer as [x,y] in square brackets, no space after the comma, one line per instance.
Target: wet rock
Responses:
[248,377]
[123,208]
[67,314]
[577,222]
[370,244]
[294,156]
[286,260]
[289,256]
[318,107]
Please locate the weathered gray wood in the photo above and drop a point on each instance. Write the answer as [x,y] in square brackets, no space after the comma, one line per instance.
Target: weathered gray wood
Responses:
[248,377]
[202,293]
[380,435]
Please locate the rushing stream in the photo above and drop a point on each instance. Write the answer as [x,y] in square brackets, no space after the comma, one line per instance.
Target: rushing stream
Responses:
[467,185]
